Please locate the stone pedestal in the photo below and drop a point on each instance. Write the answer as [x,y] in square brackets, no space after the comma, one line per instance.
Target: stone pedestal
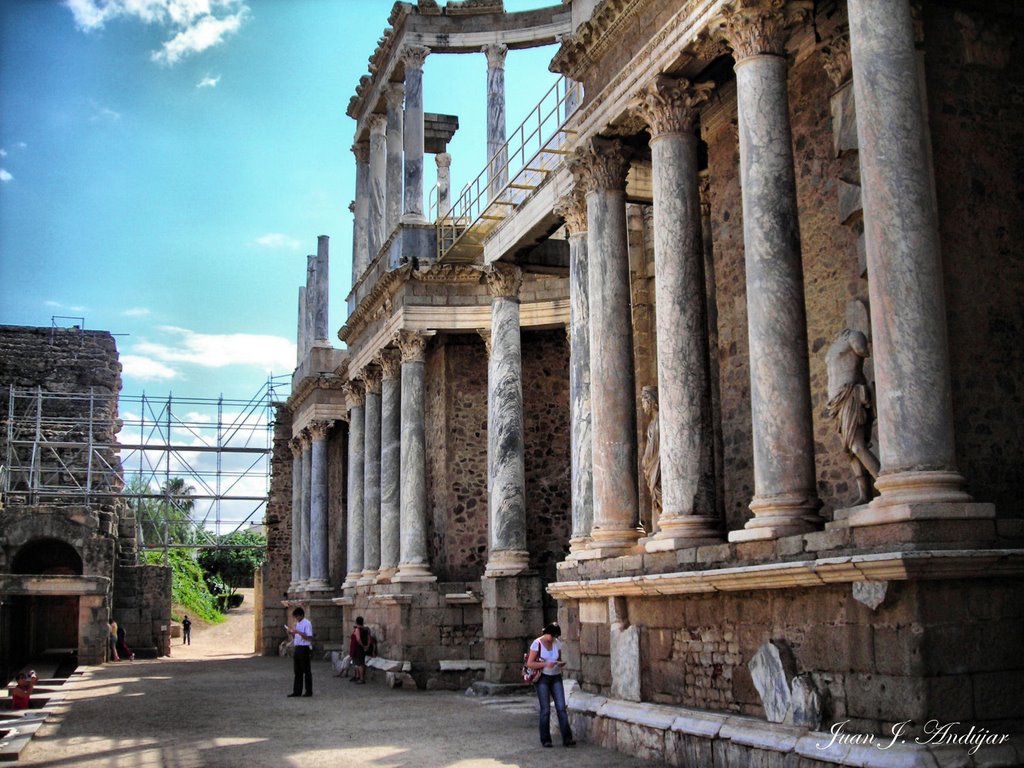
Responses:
[512,617]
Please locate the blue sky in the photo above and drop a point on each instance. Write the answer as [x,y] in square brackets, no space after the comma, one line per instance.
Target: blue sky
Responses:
[166,165]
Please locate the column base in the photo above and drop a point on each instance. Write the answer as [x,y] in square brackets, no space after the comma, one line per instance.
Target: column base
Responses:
[613,542]
[318,585]
[682,531]
[413,218]
[927,487]
[779,516]
[386,575]
[351,580]
[580,549]
[507,562]
[293,587]
[920,512]
[411,572]
[366,578]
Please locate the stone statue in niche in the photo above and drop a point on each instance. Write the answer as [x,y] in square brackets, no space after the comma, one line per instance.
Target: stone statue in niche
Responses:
[651,463]
[849,404]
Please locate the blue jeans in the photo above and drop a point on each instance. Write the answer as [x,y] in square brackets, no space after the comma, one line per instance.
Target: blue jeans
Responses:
[548,686]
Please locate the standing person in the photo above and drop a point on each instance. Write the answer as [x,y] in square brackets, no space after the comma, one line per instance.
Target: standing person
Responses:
[112,640]
[123,650]
[21,695]
[186,631]
[302,638]
[546,655]
[358,644]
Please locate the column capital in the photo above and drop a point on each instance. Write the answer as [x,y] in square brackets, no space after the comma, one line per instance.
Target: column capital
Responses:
[390,363]
[412,345]
[413,56]
[371,376]
[668,105]
[305,438]
[759,27]
[495,55]
[355,397]
[443,160]
[319,429]
[573,208]
[361,149]
[601,164]
[378,124]
[504,281]
[394,93]
[296,446]
[835,57]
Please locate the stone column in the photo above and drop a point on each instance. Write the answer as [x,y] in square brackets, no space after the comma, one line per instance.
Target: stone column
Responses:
[908,314]
[296,445]
[356,472]
[413,565]
[319,571]
[507,508]
[394,93]
[413,57]
[311,300]
[378,186]
[390,463]
[321,305]
[444,183]
[600,169]
[573,208]
[300,345]
[785,497]
[360,230]
[670,109]
[497,155]
[307,474]
[371,479]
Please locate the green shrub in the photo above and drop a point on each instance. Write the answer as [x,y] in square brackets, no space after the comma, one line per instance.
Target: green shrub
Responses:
[188,585]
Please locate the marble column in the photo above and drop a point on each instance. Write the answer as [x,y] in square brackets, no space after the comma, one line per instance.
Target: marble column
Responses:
[356,471]
[360,227]
[497,154]
[908,313]
[394,93]
[311,299]
[371,376]
[600,170]
[307,474]
[390,462]
[296,446]
[413,560]
[300,345]
[413,57]
[507,508]
[444,183]
[378,186]
[573,208]
[670,109]
[319,571]
[785,496]
[321,307]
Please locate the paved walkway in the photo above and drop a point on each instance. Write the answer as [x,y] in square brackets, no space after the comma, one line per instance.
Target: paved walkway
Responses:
[214,703]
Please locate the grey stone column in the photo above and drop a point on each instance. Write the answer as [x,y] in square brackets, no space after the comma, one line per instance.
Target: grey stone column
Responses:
[444,183]
[311,299]
[413,56]
[296,445]
[321,285]
[507,508]
[600,170]
[300,342]
[785,496]
[378,185]
[319,571]
[360,227]
[307,474]
[497,155]
[908,314]
[413,565]
[573,208]
[356,472]
[371,479]
[390,463]
[394,93]
[670,109]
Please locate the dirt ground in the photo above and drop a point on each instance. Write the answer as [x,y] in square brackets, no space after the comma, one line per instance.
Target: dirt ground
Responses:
[215,703]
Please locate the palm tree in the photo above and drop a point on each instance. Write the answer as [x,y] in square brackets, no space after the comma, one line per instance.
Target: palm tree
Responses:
[177,509]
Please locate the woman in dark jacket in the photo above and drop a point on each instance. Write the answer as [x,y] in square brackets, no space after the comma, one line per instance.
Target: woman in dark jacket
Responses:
[358,644]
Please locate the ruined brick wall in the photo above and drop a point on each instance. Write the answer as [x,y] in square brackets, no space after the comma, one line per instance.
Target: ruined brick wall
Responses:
[142,605]
[276,574]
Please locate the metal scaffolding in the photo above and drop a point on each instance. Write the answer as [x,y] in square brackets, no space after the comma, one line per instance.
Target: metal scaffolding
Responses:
[193,469]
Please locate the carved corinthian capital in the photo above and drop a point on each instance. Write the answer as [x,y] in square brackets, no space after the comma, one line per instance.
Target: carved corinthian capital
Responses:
[390,363]
[318,430]
[394,93]
[354,394]
[413,56]
[835,57]
[670,106]
[495,55]
[296,445]
[504,281]
[573,208]
[412,345]
[371,377]
[600,165]
[758,27]
[361,149]
[378,124]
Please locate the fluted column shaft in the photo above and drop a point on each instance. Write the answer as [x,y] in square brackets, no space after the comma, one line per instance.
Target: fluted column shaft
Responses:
[390,463]
[414,57]
[785,497]
[318,555]
[908,314]
[507,508]
[371,478]
[497,172]
[296,446]
[356,471]
[413,560]
[378,185]
[393,95]
[684,383]
[360,226]
[601,169]
[307,475]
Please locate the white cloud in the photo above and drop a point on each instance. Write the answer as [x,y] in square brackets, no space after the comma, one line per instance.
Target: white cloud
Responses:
[136,312]
[4,175]
[3,153]
[208,82]
[204,33]
[21,145]
[277,240]
[99,112]
[143,368]
[271,353]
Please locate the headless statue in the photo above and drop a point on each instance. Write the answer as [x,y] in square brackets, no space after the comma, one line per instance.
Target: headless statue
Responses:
[849,404]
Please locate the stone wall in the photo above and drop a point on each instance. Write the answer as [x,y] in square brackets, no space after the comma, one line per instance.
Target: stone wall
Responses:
[142,605]
[276,573]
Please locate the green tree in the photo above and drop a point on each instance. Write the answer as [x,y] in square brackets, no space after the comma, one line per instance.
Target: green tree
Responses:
[176,507]
[244,552]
